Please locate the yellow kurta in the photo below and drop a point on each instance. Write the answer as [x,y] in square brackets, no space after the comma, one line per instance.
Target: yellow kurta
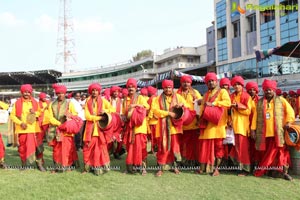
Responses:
[289,116]
[31,128]
[152,118]
[53,121]
[46,114]
[189,98]
[142,102]
[213,131]
[106,107]
[164,113]
[240,117]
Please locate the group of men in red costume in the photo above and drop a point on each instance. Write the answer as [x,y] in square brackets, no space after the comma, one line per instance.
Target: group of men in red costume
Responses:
[180,136]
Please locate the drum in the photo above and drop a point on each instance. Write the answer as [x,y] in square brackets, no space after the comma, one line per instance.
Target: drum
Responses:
[291,137]
[184,115]
[213,114]
[178,112]
[105,120]
[31,118]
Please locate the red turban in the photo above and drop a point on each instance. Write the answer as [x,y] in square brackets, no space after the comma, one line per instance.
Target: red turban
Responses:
[292,93]
[284,94]
[237,79]
[186,78]
[26,87]
[124,92]
[298,92]
[54,85]
[167,83]
[251,85]
[269,84]
[151,90]
[132,82]
[210,76]
[144,91]
[106,92]
[278,92]
[42,95]
[60,89]
[114,88]
[224,81]
[94,86]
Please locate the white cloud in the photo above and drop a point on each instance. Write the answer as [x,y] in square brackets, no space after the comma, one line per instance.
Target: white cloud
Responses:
[10,20]
[46,23]
[92,25]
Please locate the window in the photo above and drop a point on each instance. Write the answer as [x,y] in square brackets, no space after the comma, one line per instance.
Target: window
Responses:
[267,16]
[252,23]
[221,33]
[236,29]
[190,59]
[288,6]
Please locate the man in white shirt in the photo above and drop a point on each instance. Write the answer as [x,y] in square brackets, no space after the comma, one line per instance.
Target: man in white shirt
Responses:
[79,107]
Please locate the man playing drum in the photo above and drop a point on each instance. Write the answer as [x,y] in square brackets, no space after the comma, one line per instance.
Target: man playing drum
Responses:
[211,149]
[168,133]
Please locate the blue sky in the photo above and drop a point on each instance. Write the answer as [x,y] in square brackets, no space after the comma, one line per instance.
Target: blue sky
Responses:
[106,31]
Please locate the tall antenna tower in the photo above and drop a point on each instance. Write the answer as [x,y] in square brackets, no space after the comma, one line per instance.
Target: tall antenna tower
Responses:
[65,54]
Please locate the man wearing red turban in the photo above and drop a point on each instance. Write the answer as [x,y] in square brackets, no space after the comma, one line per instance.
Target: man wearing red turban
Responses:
[241,104]
[255,156]
[3,106]
[43,123]
[211,149]
[167,133]
[189,139]
[135,137]
[24,114]
[273,114]
[63,144]
[225,83]
[228,141]
[151,118]
[115,146]
[124,92]
[144,93]
[95,152]
[278,92]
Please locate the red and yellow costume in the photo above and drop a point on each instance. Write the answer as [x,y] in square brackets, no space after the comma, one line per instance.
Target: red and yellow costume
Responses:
[241,125]
[268,121]
[189,139]
[151,118]
[167,133]
[63,144]
[135,137]
[26,137]
[211,147]
[95,152]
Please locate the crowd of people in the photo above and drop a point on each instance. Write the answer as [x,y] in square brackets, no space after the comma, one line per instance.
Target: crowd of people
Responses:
[217,131]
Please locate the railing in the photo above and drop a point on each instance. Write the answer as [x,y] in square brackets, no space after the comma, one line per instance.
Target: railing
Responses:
[108,68]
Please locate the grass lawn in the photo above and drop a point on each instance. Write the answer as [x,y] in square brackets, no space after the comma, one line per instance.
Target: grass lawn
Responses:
[33,184]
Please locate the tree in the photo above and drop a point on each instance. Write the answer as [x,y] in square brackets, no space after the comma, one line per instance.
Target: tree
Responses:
[142,54]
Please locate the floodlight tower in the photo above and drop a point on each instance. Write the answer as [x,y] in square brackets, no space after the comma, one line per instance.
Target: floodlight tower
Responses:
[65,54]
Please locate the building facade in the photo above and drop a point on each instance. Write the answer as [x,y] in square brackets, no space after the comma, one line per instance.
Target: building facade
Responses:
[244,25]
[179,58]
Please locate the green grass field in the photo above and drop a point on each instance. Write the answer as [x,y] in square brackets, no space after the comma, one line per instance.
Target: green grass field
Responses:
[33,184]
